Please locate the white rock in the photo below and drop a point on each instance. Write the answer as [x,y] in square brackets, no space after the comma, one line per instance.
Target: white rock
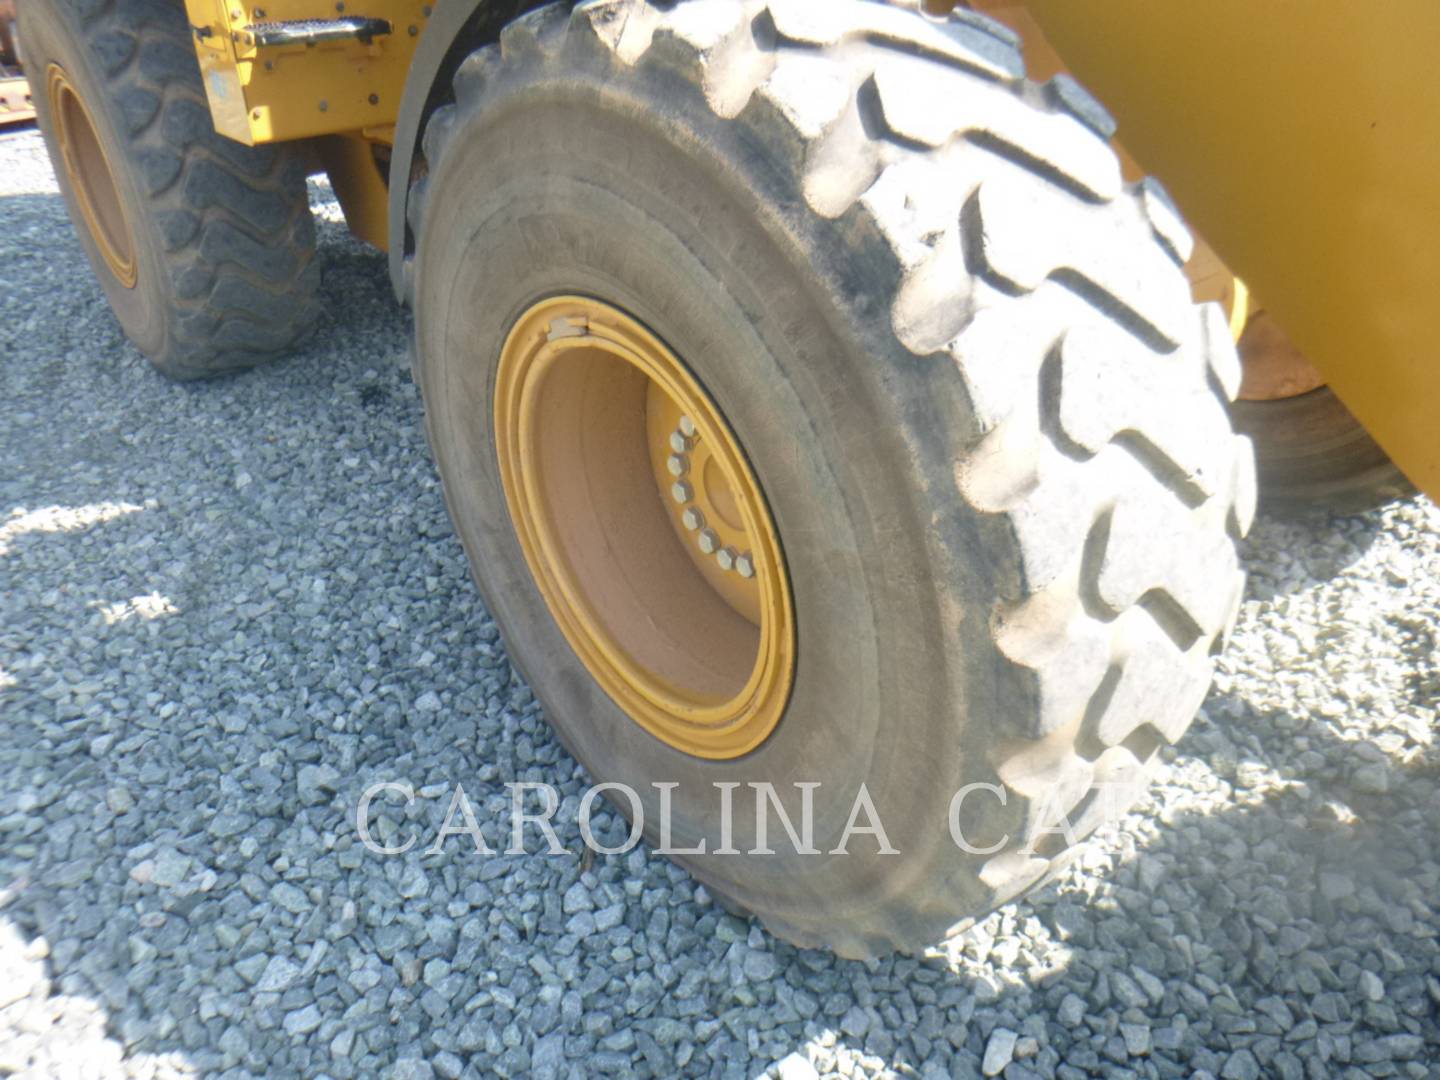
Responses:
[999,1051]
[279,974]
[796,1067]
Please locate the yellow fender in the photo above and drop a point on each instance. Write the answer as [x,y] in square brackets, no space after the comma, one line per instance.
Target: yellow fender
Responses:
[1303,142]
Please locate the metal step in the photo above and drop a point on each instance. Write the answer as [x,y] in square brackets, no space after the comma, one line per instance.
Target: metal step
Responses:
[315,31]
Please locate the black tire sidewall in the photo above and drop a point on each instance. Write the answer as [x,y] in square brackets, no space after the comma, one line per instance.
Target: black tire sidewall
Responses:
[1312,453]
[545,194]
[51,33]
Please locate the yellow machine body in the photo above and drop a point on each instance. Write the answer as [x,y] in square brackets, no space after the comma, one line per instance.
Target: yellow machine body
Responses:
[1303,142]
[359,185]
[262,93]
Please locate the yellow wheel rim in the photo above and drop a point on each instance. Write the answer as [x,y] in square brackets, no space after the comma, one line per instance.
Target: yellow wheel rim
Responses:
[644,527]
[91,180]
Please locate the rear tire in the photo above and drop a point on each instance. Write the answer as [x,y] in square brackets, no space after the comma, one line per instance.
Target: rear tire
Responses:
[963,363]
[1313,455]
[219,271]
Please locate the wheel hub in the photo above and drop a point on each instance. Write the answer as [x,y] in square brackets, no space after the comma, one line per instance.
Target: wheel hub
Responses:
[643,526]
[703,504]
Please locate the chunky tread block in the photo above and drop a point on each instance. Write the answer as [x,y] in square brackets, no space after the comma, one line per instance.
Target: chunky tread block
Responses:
[233,222]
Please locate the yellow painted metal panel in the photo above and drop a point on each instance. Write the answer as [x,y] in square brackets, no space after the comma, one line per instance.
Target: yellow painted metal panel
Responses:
[358,184]
[274,93]
[1303,141]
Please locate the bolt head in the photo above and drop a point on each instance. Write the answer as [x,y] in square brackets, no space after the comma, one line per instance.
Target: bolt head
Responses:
[678,464]
[745,566]
[726,558]
[708,540]
[687,427]
[692,519]
[681,492]
[679,442]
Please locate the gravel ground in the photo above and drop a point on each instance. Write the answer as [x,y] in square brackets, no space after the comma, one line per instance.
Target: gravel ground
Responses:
[228,608]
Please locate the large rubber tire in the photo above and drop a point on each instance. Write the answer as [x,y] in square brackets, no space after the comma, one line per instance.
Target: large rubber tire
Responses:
[962,358]
[1312,454]
[223,238]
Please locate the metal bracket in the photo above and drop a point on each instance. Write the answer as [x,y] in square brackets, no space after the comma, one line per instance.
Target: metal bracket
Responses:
[311,32]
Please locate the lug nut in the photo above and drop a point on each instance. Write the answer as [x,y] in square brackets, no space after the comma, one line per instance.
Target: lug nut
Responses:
[677,464]
[692,519]
[687,427]
[679,442]
[708,540]
[681,492]
[745,566]
[726,558]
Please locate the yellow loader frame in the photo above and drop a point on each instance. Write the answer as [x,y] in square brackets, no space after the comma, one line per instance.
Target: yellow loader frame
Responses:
[1302,141]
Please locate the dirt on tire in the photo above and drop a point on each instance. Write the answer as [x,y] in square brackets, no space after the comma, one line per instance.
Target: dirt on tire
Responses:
[963,358]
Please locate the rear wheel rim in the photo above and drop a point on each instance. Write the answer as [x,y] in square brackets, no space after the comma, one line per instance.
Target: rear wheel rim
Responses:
[91,179]
[644,527]
[1274,369]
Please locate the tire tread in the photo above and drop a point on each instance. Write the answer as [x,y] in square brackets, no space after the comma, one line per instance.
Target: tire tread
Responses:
[234,220]
[1000,239]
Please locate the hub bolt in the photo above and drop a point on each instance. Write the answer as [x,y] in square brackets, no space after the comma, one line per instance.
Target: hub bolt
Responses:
[687,427]
[679,442]
[692,519]
[681,492]
[745,566]
[708,540]
[677,464]
[726,558]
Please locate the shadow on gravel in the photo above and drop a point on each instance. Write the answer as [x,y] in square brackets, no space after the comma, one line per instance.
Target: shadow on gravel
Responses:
[1294,927]
[356,297]
[1298,920]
